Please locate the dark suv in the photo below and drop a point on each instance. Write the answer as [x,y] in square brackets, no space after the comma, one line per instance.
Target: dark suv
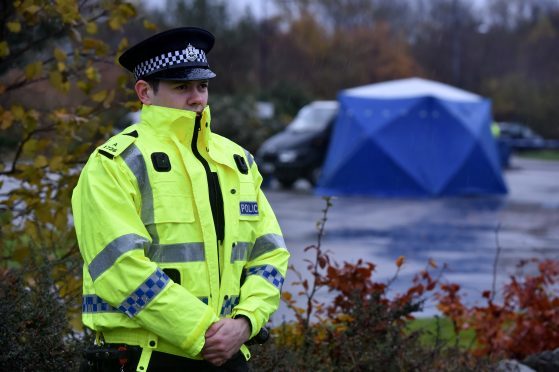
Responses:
[299,151]
[519,137]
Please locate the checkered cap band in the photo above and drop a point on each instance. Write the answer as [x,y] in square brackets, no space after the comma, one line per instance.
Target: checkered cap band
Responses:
[95,304]
[269,273]
[145,293]
[188,57]
[228,304]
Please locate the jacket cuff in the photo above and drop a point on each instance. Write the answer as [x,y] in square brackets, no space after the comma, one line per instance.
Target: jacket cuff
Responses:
[195,341]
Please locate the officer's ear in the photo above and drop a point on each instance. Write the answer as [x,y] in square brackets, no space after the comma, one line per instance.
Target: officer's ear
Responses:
[144,91]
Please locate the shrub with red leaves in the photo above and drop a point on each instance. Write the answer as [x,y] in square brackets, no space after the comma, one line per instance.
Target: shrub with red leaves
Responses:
[525,323]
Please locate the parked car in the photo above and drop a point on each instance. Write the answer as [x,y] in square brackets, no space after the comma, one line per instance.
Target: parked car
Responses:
[299,151]
[519,137]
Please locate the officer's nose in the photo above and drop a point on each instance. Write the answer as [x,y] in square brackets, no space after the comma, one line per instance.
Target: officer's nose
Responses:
[194,98]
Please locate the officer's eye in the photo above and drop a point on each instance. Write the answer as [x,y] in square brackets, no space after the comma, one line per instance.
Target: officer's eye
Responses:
[181,87]
[204,85]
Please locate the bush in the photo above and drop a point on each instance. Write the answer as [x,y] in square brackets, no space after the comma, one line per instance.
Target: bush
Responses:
[525,323]
[35,334]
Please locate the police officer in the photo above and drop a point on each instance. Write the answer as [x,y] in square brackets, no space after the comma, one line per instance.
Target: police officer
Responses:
[184,259]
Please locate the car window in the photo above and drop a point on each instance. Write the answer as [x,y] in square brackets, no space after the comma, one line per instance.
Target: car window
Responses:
[517,131]
[312,119]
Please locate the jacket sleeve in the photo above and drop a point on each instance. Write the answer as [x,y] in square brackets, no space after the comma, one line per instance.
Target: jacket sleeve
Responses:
[112,238]
[266,266]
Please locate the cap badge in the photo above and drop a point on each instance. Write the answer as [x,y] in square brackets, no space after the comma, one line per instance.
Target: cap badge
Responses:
[192,53]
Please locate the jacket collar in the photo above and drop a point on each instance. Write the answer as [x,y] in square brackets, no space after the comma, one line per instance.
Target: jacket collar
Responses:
[176,123]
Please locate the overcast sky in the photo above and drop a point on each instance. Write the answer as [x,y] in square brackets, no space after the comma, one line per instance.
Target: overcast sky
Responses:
[258,7]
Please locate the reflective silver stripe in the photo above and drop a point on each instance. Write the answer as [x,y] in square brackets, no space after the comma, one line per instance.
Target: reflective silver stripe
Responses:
[269,273]
[152,230]
[135,161]
[95,304]
[183,252]
[146,292]
[108,256]
[228,304]
[266,243]
[239,252]
[249,157]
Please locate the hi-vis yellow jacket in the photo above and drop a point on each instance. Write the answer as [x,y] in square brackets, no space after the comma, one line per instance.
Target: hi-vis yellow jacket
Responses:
[148,209]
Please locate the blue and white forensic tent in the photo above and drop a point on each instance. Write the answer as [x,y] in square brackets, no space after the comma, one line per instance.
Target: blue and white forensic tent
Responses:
[411,137]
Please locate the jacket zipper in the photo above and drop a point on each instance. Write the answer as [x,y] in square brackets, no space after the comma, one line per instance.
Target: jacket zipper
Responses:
[214,190]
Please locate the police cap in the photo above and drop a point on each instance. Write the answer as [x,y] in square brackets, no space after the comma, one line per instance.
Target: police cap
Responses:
[176,54]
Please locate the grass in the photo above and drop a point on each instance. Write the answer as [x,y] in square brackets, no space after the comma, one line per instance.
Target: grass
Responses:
[542,155]
[439,330]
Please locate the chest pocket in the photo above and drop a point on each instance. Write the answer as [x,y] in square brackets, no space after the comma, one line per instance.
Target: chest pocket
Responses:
[248,202]
[172,203]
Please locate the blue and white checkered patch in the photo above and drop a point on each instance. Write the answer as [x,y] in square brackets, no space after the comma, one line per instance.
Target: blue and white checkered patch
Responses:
[190,56]
[95,304]
[145,293]
[203,299]
[248,208]
[228,305]
[269,273]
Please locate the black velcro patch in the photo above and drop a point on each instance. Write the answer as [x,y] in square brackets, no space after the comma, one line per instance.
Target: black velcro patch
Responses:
[161,162]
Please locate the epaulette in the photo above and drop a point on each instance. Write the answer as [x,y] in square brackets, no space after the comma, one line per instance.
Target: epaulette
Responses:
[117,144]
[249,157]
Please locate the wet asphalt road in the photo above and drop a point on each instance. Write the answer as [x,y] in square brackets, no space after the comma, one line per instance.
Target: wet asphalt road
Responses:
[462,232]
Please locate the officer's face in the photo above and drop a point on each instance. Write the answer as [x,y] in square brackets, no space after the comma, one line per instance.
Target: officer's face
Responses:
[184,95]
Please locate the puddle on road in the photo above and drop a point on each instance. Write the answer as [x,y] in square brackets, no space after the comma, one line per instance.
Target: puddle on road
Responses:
[458,232]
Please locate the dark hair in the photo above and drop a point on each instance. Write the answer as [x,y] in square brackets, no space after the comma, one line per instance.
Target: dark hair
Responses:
[153,82]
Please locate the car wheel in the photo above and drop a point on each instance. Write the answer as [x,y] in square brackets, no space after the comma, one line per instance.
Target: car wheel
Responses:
[286,183]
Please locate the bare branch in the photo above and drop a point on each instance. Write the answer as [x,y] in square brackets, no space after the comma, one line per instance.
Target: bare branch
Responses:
[22,143]
[495,262]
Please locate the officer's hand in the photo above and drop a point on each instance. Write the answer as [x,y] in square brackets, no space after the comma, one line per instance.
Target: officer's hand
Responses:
[224,339]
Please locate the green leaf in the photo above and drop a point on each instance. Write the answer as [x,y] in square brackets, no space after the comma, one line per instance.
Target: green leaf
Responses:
[123,45]
[99,96]
[68,9]
[14,27]
[150,25]
[59,55]
[56,163]
[92,73]
[116,22]
[91,28]
[58,81]
[98,46]
[40,161]
[30,9]
[18,112]
[6,120]
[4,49]
[84,86]
[30,147]
[33,70]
